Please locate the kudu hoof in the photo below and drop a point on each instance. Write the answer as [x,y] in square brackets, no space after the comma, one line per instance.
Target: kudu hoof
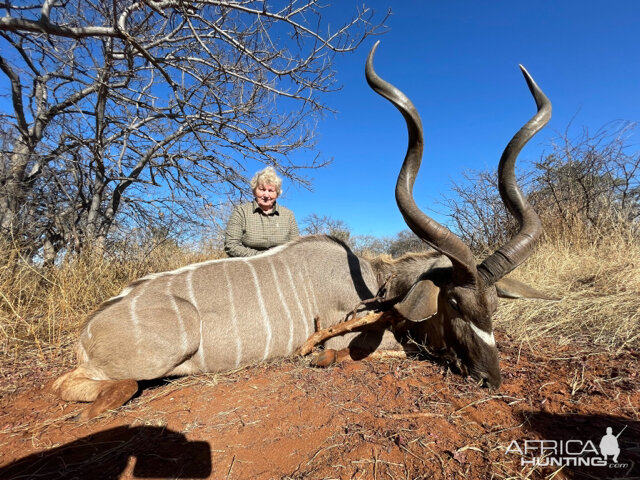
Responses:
[325,358]
[114,394]
[83,416]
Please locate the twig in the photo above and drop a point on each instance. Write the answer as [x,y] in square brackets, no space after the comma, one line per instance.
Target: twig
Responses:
[378,297]
[375,464]
[341,329]
[403,416]
[322,450]
[233,461]
[351,324]
[402,447]
[476,402]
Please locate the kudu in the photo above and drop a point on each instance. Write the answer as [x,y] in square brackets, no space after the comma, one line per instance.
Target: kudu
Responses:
[221,314]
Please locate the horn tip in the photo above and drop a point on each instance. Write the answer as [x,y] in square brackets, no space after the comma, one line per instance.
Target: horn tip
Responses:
[541,99]
[525,72]
[373,49]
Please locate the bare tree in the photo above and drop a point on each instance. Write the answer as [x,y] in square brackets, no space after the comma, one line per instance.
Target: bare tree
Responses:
[404,242]
[477,213]
[139,107]
[397,245]
[592,180]
[314,224]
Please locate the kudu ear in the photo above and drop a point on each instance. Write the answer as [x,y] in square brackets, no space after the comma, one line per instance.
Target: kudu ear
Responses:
[420,302]
[510,288]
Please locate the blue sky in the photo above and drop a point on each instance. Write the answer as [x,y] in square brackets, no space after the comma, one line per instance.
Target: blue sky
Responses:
[458,62]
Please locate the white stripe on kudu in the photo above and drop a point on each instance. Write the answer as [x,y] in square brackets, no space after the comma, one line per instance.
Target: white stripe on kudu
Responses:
[297,299]
[263,309]
[283,302]
[178,315]
[486,337]
[234,315]
[313,293]
[194,302]
[303,284]
[135,321]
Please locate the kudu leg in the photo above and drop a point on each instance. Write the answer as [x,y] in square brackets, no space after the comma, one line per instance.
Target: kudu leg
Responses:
[114,394]
[328,357]
[78,385]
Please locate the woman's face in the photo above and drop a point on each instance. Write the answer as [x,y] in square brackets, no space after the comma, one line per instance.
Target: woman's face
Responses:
[265,196]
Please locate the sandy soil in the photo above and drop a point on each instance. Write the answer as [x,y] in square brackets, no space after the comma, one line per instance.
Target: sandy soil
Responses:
[372,419]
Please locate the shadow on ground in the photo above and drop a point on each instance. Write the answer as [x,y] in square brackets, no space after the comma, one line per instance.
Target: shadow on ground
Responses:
[158,453]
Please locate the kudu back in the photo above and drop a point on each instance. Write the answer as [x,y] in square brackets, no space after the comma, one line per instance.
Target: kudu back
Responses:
[222,314]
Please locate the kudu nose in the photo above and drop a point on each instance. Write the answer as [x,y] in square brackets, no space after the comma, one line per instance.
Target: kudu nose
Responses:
[492,382]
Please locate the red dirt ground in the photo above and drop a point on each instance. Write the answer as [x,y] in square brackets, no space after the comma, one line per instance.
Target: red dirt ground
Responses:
[372,419]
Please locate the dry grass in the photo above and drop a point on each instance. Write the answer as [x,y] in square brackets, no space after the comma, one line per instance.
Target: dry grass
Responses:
[41,307]
[598,278]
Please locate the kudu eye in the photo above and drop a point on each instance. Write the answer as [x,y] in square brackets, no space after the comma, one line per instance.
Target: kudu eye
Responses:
[454,304]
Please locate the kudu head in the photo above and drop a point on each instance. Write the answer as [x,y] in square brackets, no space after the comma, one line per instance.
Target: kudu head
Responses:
[467,296]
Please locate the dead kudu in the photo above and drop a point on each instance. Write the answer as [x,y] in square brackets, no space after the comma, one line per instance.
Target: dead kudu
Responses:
[218,315]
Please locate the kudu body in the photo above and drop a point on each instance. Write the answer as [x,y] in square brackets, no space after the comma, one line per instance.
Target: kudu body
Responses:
[218,315]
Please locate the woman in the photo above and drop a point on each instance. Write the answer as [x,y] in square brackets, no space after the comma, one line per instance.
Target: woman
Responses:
[261,224]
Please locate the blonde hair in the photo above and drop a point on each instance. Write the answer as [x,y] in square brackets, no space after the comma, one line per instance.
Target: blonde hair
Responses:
[266,176]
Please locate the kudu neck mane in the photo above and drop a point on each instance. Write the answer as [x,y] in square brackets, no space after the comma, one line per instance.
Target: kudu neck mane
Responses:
[406,270]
